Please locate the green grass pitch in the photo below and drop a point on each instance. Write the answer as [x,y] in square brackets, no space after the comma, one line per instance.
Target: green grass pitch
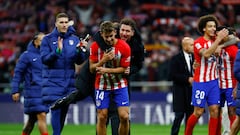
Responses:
[136,129]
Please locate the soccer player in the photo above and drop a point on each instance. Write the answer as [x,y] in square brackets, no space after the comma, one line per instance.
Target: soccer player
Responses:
[205,85]
[110,67]
[227,81]
[29,70]
[127,31]
[59,55]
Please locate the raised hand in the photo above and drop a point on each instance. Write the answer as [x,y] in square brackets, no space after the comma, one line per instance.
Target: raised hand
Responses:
[222,34]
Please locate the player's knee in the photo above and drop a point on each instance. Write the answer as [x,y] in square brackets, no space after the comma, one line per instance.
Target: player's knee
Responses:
[102,118]
[41,116]
[231,111]
[124,117]
[214,112]
[198,113]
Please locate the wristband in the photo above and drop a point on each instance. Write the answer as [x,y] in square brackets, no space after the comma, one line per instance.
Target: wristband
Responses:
[58,51]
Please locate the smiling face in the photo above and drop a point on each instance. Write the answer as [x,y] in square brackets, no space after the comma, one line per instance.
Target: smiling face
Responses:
[108,33]
[126,32]
[109,38]
[210,30]
[62,24]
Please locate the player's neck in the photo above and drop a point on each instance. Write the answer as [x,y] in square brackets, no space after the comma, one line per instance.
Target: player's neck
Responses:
[207,37]
[115,42]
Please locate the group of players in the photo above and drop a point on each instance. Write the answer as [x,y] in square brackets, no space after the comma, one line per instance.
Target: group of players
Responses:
[216,66]
[47,69]
[214,81]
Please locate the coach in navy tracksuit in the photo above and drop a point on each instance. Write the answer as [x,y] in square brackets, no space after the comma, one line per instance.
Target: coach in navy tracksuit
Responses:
[29,70]
[59,56]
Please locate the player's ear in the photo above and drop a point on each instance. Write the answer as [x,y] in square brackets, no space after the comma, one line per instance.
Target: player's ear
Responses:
[133,32]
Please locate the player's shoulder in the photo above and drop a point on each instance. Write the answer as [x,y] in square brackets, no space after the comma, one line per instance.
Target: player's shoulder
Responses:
[123,43]
[231,48]
[199,39]
[26,54]
[120,41]
[49,35]
[94,45]
[234,46]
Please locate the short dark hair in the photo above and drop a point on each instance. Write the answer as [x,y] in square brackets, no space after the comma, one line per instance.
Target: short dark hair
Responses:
[107,27]
[36,35]
[130,22]
[61,15]
[225,27]
[231,29]
[203,22]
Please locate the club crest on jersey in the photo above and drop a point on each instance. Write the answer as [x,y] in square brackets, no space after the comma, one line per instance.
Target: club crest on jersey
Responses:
[199,101]
[98,102]
[71,42]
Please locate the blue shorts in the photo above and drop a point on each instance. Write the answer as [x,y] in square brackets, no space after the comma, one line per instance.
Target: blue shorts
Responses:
[226,95]
[205,92]
[120,97]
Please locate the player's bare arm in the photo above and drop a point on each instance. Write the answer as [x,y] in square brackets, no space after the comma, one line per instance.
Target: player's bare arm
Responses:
[232,40]
[218,50]
[117,70]
[211,50]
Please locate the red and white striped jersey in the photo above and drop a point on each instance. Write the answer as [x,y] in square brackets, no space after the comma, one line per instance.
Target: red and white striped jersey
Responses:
[109,81]
[225,67]
[207,70]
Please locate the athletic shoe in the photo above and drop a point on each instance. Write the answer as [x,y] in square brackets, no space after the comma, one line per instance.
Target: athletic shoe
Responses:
[64,101]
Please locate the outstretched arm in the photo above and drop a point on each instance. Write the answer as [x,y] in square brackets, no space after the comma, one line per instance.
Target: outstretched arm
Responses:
[233,40]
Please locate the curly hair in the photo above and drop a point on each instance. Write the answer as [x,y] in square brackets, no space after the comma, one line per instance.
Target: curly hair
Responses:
[202,22]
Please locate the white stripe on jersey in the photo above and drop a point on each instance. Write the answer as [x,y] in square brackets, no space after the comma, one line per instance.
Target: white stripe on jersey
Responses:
[202,70]
[225,72]
[208,66]
[111,80]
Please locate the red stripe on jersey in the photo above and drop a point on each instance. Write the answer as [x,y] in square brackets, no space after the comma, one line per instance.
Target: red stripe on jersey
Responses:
[225,68]
[206,71]
[110,81]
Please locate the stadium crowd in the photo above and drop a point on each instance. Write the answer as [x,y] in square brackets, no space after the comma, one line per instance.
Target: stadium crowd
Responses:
[162,25]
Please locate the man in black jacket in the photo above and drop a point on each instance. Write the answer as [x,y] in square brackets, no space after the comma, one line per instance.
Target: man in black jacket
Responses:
[181,73]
